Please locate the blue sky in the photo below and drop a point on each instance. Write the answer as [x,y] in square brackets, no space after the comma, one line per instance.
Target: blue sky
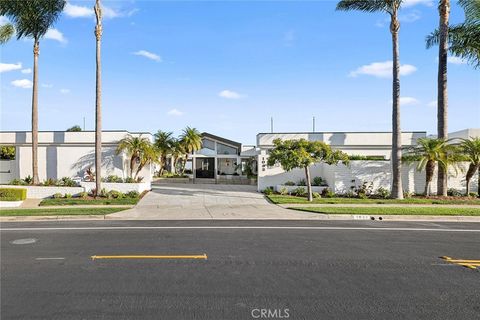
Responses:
[226,67]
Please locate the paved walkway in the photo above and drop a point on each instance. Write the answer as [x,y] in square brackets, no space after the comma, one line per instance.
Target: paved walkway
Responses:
[207,201]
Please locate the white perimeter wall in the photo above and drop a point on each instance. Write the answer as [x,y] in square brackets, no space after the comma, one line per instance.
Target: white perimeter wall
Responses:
[340,178]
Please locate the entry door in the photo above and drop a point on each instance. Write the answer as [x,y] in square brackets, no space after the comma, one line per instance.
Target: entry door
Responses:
[205,168]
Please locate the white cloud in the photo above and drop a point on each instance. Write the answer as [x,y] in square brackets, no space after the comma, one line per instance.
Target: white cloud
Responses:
[64,91]
[47,85]
[410,16]
[432,104]
[382,70]
[54,34]
[5,67]
[411,3]
[23,83]
[228,94]
[26,71]
[74,11]
[456,60]
[175,112]
[148,55]
[408,101]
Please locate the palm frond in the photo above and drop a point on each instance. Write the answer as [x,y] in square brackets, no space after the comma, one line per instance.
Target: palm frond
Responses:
[6,32]
[364,5]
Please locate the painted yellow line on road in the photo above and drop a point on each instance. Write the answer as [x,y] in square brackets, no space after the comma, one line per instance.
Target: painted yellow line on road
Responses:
[203,256]
[471,264]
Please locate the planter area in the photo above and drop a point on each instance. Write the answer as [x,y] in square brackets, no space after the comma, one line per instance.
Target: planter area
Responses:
[290,189]
[120,187]
[172,180]
[229,179]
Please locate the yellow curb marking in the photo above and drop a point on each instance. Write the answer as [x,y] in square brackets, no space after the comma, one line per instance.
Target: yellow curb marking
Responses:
[203,256]
[471,264]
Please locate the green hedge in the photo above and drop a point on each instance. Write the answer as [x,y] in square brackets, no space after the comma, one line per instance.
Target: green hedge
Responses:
[12,194]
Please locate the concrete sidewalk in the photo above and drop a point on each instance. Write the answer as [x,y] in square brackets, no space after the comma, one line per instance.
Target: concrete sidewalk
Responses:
[366,205]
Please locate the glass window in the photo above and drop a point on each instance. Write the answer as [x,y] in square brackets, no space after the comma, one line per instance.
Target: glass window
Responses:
[224,149]
[208,144]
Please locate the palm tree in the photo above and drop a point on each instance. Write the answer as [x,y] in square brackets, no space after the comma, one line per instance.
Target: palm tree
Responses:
[470,148]
[390,7]
[32,19]
[135,148]
[428,152]
[191,140]
[177,153]
[98,97]
[6,32]
[164,143]
[150,154]
[464,38]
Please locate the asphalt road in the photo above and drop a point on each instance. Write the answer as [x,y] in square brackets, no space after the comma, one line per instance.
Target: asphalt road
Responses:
[326,270]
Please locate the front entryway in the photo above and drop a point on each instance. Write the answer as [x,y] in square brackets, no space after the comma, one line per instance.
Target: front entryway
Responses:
[205,168]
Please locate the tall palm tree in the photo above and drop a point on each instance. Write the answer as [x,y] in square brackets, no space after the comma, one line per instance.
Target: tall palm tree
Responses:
[428,152]
[470,148]
[164,143]
[98,97]
[178,151]
[32,19]
[134,147]
[463,38]
[442,97]
[390,7]
[6,32]
[191,140]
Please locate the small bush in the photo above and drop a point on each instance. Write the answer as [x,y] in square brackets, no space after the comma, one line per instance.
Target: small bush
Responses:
[113,179]
[50,182]
[103,193]
[301,182]
[299,192]
[317,181]
[113,194]
[68,195]
[67,182]
[13,194]
[129,180]
[408,195]
[382,193]
[132,194]
[139,180]
[283,191]
[28,179]
[289,183]
[452,192]
[57,195]
[268,191]
[316,195]
[83,195]
[327,193]
[17,182]
[473,194]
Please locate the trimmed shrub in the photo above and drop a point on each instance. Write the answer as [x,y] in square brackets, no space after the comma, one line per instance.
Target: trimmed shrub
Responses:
[68,195]
[57,195]
[301,182]
[113,194]
[113,179]
[132,194]
[473,194]
[67,182]
[317,181]
[283,191]
[289,183]
[50,182]
[452,192]
[382,193]
[83,195]
[300,191]
[17,182]
[316,195]
[12,194]
[327,193]
[129,180]
[268,191]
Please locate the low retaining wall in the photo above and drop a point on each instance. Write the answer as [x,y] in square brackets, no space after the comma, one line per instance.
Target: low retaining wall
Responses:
[121,187]
[39,192]
[235,180]
[172,180]
[290,189]
[10,204]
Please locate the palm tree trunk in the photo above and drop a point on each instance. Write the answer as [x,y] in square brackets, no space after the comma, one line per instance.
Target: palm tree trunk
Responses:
[429,170]
[98,97]
[132,164]
[36,52]
[442,97]
[309,184]
[397,189]
[470,172]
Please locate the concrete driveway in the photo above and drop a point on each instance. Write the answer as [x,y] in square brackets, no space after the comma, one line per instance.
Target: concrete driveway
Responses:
[207,201]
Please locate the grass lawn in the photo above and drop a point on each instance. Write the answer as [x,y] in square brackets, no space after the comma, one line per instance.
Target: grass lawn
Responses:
[279,199]
[395,211]
[79,201]
[58,212]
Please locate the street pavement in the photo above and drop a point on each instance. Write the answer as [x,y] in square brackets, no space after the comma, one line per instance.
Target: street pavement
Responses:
[280,269]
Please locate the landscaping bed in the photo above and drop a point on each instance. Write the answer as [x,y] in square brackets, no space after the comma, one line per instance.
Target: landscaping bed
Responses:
[110,198]
[58,211]
[409,210]
[286,199]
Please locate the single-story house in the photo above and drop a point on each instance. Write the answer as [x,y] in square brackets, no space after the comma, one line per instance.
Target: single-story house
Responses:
[67,154]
